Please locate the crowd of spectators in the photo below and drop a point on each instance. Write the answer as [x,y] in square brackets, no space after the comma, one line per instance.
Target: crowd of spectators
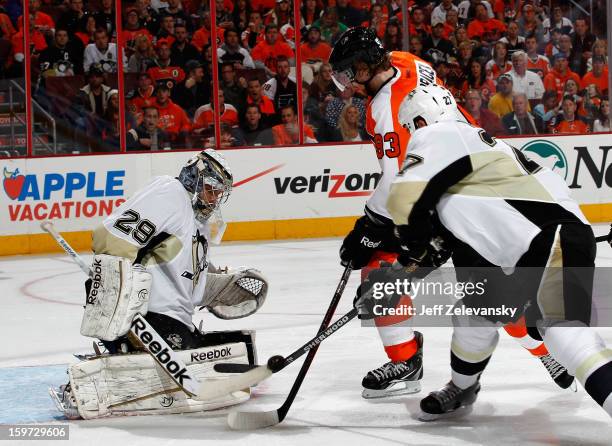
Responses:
[518,66]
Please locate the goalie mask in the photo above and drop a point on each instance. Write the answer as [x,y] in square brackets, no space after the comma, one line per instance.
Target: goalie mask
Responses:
[208,178]
[428,105]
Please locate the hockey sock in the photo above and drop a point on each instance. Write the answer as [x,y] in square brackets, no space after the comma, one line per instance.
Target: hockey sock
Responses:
[530,340]
[471,350]
[397,338]
[583,353]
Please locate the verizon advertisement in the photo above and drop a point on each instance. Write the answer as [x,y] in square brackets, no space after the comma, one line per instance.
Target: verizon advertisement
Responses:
[270,184]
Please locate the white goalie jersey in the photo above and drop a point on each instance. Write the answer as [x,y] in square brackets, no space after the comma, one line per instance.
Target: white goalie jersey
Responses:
[157,228]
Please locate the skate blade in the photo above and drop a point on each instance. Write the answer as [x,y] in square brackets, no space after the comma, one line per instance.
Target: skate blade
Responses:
[69,412]
[460,412]
[400,388]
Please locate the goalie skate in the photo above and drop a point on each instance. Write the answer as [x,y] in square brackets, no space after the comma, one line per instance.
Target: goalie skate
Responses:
[65,402]
[396,378]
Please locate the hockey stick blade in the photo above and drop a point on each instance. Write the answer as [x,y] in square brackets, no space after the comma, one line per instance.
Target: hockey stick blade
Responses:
[238,382]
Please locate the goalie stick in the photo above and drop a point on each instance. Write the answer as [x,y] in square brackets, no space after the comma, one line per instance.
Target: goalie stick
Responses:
[142,333]
[250,375]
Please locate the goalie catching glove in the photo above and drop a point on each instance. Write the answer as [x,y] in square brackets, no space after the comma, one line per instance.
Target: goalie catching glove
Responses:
[236,293]
[119,290]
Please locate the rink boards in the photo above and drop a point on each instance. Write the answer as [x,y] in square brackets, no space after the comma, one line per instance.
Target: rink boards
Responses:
[298,192]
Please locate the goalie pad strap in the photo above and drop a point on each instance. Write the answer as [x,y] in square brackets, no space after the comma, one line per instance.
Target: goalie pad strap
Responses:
[119,291]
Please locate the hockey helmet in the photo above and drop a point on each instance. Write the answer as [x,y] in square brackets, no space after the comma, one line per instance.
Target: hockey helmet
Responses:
[429,104]
[208,177]
[357,44]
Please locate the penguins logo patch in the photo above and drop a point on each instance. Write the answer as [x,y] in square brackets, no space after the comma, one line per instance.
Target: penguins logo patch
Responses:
[410,161]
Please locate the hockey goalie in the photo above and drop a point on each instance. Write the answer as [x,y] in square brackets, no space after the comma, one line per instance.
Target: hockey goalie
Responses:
[151,265]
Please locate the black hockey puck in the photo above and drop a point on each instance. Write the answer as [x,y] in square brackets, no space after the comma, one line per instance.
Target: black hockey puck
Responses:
[275,363]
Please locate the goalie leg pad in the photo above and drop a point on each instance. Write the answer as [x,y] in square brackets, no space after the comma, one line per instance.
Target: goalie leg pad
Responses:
[134,384]
[119,290]
[236,293]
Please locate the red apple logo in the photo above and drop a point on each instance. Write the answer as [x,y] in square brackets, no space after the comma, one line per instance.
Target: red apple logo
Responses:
[13,183]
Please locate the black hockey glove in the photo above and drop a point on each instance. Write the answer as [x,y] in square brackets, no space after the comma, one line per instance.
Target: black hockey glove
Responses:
[421,258]
[365,238]
[372,290]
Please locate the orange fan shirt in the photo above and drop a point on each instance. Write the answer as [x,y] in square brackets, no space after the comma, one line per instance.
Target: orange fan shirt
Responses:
[266,53]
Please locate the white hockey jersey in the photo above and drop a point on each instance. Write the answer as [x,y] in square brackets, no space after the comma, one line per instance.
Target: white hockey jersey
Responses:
[487,193]
[157,228]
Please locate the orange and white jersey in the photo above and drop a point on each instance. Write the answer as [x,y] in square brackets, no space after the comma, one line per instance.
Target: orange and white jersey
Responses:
[389,137]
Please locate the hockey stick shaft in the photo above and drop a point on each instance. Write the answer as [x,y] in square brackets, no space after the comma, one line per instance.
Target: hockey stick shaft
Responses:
[141,332]
[48,227]
[601,238]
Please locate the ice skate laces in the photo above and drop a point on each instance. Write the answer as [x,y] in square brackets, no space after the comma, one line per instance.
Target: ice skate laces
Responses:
[390,370]
[448,393]
[554,368]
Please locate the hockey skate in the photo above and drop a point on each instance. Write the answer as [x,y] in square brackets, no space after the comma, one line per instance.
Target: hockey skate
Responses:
[557,372]
[449,401]
[396,378]
[65,402]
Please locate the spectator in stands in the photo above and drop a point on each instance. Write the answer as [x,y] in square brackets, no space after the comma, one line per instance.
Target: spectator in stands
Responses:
[599,49]
[500,63]
[568,122]
[602,123]
[451,25]
[477,80]
[240,15]
[557,21]
[281,14]
[349,128]
[467,9]
[148,135]
[565,46]
[501,102]
[231,51]
[255,32]
[178,14]
[163,70]
[530,24]
[230,136]
[484,118]
[110,135]
[548,110]
[101,52]
[483,27]
[181,51]
[438,14]
[143,56]
[254,131]
[194,91]
[556,78]
[42,22]
[525,81]
[582,43]
[322,89]
[132,29]
[536,63]
[591,100]
[105,18]
[281,89]
[234,89]
[464,56]
[87,29]
[314,51]
[312,113]
[376,21]
[288,132]
[287,32]
[201,37]
[347,14]
[340,102]
[415,46]
[166,28]
[148,16]
[63,58]
[71,19]
[392,40]
[256,96]
[436,47]
[599,75]
[512,39]
[172,118]
[520,121]
[204,118]
[265,53]
[309,12]
[329,24]
[418,23]
[93,97]
[141,97]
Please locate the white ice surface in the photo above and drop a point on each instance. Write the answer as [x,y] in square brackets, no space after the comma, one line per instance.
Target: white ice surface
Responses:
[40,312]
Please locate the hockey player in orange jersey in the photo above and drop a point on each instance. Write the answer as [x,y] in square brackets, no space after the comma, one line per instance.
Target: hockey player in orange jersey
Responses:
[388,77]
